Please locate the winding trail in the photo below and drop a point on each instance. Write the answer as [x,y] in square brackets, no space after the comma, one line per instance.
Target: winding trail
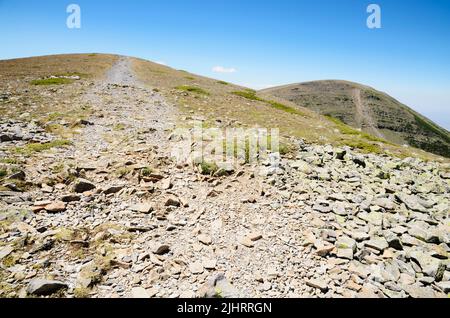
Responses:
[126,115]
[363,116]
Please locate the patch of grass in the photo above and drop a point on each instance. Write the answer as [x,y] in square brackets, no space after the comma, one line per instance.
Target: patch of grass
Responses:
[58,168]
[122,172]
[146,171]
[208,168]
[10,161]
[32,148]
[20,185]
[10,261]
[119,127]
[190,78]
[251,95]
[287,109]
[81,292]
[347,130]
[364,146]
[54,116]
[3,172]
[52,81]
[192,89]
[222,83]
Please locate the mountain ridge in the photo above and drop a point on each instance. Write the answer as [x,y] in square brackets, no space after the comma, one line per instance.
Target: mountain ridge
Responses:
[363,107]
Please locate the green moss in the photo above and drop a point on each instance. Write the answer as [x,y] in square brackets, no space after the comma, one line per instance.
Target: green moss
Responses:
[192,89]
[52,81]
[208,168]
[146,171]
[34,147]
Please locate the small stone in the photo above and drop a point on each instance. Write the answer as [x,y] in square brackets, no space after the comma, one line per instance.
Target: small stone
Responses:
[379,244]
[359,236]
[324,250]
[393,241]
[210,264]
[339,208]
[445,286]
[255,236]
[318,283]
[173,201]
[165,184]
[218,287]
[5,251]
[205,239]
[345,253]
[161,249]
[83,185]
[113,189]
[247,242]
[142,208]
[55,207]
[43,287]
[46,188]
[70,198]
[411,202]
[430,266]
[17,176]
[196,268]
[139,292]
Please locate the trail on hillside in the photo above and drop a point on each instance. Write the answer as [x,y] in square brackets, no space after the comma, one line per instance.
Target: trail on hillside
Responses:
[125,114]
[363,116]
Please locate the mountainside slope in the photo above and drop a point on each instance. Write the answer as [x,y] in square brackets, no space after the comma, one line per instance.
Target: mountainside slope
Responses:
[372,111]
[93,202]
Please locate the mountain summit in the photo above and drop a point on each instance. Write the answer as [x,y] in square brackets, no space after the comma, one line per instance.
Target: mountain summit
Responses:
[372,111]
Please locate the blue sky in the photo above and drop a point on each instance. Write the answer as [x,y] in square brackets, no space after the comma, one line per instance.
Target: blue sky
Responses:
[266,42]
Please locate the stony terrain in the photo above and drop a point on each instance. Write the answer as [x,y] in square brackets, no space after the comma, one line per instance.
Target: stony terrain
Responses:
[108,213]
[365,108]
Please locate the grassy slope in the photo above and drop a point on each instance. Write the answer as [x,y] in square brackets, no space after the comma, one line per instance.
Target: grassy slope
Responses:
[194,95]
[235,105]
[397,122]
[31,93]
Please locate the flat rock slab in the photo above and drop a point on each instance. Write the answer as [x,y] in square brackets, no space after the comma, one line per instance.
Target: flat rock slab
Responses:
[318,283]
[43,287]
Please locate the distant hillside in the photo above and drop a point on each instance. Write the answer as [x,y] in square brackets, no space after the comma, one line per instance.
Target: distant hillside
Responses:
[367,109]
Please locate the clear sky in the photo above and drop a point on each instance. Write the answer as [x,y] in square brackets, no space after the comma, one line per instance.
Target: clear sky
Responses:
[256,43]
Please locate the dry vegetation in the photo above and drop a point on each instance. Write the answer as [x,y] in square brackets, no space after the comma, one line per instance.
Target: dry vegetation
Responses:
[218,102]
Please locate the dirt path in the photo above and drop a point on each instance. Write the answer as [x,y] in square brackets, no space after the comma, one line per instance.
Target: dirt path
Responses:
[126,115]
[363,117]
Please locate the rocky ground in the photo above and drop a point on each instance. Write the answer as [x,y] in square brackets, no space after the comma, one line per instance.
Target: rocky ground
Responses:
[110,214]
